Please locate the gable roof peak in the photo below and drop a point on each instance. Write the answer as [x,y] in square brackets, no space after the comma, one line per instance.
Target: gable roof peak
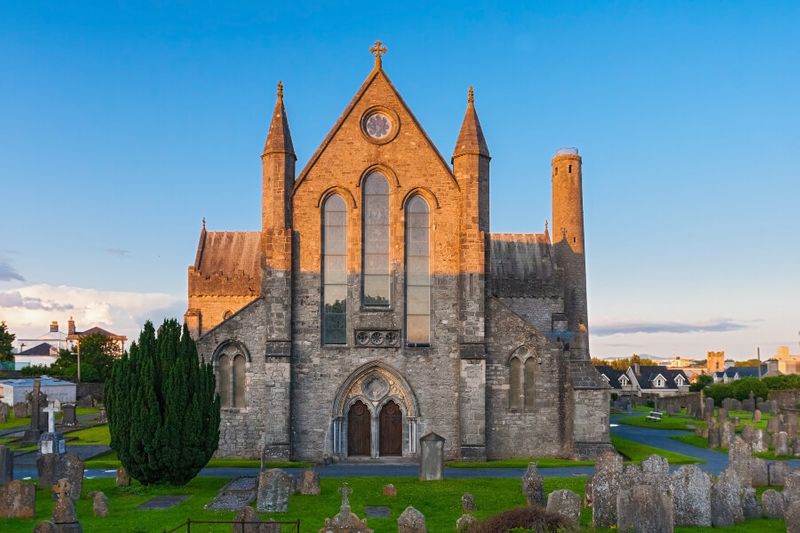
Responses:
[279,139]
[470,138]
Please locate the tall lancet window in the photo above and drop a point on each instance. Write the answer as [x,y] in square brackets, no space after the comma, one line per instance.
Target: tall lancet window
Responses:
[377,282]
[334,271]
[418,276]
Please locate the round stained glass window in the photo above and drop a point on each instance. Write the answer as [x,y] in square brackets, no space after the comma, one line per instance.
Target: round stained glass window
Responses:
[378,126]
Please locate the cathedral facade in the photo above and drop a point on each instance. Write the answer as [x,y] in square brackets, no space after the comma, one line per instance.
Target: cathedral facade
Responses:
[375,305]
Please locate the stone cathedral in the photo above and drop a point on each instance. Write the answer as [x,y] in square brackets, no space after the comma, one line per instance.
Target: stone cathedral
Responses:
[376,306]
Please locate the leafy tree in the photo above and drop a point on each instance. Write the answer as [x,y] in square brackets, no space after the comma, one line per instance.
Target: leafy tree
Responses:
[6,343]
[789,381]
[739,389]
[753,363]
[163,411]
[98,354]
[703,380]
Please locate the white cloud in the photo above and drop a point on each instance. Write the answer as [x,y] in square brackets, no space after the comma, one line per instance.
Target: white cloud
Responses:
[29,310]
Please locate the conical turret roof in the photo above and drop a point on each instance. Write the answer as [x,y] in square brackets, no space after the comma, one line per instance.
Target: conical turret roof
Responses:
[279,139]
[471,139]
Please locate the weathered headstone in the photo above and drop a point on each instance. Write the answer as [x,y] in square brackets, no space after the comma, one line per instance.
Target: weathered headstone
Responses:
[69,414]
[722,412]
[345,521]
[691,496]
[123,479]
[772,503]
[726,434]
[708,411]
[468,502]
[274,488]
[655,471]
[748,405]
[791,516]
[248,521]
[791,486]
[713,434]
[465,523]
[605,486]
[726,500]
[431,467]
[309,483]
[64,516]
[565,503]
[750,506]
[796,447]
[773,425]
[99,504]
[644,509]
[411,521]
[44,526]
[390,490]
[739,458]
[748,434]
[533,486]
[73,471]
[47,466]
[759,443]
[759,472]
[777,473]
[757,415]
[6,464]
[790,424]
[21,410]
[781,443]
[4,412]
[17,500]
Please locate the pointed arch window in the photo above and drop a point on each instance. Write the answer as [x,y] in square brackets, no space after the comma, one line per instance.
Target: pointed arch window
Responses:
[530,369]
[376,278]
[334,271]
[238,380]
[515,385]
[418,276]
[224,380]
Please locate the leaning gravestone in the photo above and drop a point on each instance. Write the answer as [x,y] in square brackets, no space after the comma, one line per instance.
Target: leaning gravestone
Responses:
[274,488]
[691,496]
[644,509]
[431,467]
[566,503]
[411,521]
[6,465]
[235,495]
[605,486]
[726,500]
[739,458]
[99,504]
[17,500]
[772,503]
[533,486]
[64,516]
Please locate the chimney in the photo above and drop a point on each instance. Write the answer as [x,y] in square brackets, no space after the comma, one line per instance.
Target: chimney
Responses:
[71,327]
[53,327]
[636,369]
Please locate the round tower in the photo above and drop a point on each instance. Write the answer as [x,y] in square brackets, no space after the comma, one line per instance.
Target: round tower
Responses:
[568,242]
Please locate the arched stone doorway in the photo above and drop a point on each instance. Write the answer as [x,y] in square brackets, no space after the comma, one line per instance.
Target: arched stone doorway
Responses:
[374,415]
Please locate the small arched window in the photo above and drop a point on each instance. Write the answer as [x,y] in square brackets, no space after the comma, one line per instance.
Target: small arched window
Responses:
[418,277]
[224,380]
[530,369]
[377,283]
[334,271]
[515,385]
[238,380]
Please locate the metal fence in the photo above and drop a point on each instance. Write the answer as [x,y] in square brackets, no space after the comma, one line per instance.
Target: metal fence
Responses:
[239,525]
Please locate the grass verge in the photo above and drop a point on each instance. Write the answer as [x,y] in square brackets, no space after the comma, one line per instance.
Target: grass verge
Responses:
[637,452]
[109,460]
[521,462]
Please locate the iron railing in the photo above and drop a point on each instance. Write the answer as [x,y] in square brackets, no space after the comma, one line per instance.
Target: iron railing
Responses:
[242,523]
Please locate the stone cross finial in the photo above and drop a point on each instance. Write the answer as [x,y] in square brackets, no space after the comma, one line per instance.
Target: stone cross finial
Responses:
[280,90]
[378,50]
[471,95]
[345,491]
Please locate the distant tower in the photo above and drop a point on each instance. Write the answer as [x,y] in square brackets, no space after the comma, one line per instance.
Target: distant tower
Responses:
[568,233]
[715,362]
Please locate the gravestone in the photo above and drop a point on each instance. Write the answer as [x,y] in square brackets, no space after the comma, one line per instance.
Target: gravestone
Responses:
[345,521]
[655,471]
[760,441]
[466,523]
[123,479]
[781,443]
[708,412]
[722,412]
[565,503]
[309,483]
[533,486]
[773,425]
[69,414]
[796,447]
[772,503]
[748,434]
[36,402]
[99,504]
[72,470]
[17,500]
[726,434]
[377,511]
[4,412]
[644,509]
[791,516]
[247,521]
[691,495]
[468,502]
[713,434]
[390,490]
[160,503]
[411,521]
[778,471]
[235,495]
[274,488]
[44,526]
[64,516]
[605,486]
[21,410]
[52,441]
[750,506]
[790,423]
[431,466]
[726,500]
[739,459]
[759,472]
[47,466]
[757,415]
[6,464]
[748,405]
[791,487]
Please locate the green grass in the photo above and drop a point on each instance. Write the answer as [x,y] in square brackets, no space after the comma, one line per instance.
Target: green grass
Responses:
[109,460]
[702,442]
[16,445]
[636,452]
[694,440]
[520,462]
[681,421]
[91,435]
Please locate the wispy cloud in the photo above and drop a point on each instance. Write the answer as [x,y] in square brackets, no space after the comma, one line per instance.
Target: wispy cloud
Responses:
[119,252]
[9,273]
[14,299]
[628,328]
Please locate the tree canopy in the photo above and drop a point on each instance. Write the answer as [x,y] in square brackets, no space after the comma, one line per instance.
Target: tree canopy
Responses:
[6,343]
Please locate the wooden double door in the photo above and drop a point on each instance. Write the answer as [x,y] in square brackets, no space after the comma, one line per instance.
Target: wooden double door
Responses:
[390,430]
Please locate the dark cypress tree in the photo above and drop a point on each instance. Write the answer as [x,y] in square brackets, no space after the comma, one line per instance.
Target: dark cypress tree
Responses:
[163,411]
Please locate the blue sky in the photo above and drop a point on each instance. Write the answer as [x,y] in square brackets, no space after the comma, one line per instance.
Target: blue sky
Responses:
[123,124]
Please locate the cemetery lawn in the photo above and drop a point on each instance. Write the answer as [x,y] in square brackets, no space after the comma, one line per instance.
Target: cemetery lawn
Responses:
[92,435]
[702,442]
[109,460]
[636,452]
[680,421]
[520,462]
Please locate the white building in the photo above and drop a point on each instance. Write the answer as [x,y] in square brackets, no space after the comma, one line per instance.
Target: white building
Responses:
[15,390]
